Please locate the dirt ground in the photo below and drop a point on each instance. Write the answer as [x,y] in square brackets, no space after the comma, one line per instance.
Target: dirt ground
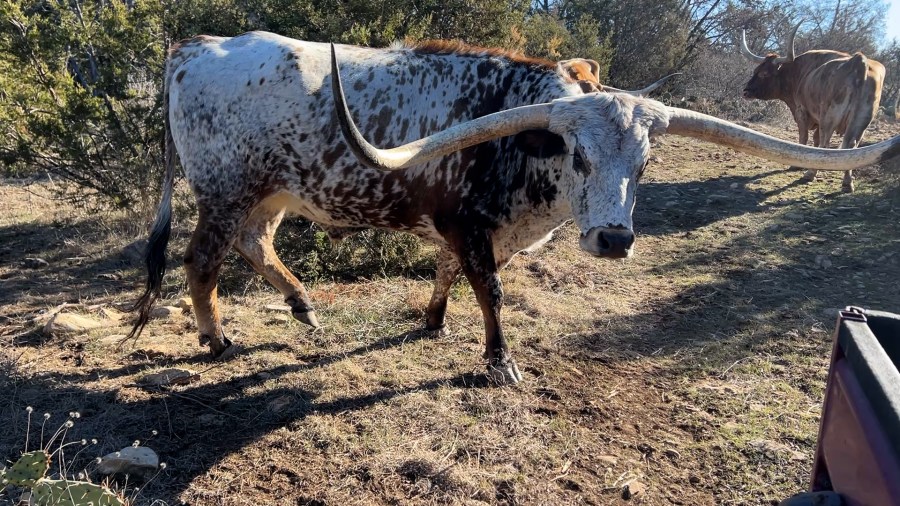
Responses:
[692,373]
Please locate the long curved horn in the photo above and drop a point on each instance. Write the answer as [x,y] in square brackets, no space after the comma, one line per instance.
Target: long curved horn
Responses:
[700,126]
[754,58]
[455,138]
[644,91]
[791,52]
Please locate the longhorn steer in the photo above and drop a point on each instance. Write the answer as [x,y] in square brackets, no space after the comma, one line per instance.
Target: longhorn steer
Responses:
[254,122]
[826,91]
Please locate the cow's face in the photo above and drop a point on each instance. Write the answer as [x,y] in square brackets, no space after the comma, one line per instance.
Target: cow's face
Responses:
[608,140]
[764,83]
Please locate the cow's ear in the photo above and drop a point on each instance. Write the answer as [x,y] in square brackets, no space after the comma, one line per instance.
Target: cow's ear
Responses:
[540,143]
[589,86]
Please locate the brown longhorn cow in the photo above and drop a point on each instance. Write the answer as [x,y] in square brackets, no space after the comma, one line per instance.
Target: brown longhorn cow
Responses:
[826,91]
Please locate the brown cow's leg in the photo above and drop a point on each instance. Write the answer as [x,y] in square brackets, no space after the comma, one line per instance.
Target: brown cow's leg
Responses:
[809,175]
[448,270]
[849,143]
[205,253]
[477,259]
[255,244]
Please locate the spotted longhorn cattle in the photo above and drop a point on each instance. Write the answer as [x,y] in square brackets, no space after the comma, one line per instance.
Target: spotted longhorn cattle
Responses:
[826,91]
[512,148]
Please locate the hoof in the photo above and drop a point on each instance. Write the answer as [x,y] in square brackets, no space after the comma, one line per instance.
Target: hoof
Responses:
[220,350]
[504,373]
[809,176]
[307,317]
[847,188]
[441,331]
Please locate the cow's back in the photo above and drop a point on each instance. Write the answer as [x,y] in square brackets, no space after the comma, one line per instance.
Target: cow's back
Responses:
[842,92]
[255,114]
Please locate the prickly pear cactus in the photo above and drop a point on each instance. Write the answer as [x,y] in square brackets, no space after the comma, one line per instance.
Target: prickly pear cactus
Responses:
[30,467]
[73,493]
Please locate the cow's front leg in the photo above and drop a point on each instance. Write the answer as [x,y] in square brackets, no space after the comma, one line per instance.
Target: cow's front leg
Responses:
[480,268]
[448,270]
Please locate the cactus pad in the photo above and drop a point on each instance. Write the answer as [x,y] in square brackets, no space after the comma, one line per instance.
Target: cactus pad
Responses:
[73,493]
[30,467]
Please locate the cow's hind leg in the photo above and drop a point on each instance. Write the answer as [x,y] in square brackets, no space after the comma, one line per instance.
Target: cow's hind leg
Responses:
[476,257]
[448,270]
[255,243]
[206,251]
[849,142]
[809,175]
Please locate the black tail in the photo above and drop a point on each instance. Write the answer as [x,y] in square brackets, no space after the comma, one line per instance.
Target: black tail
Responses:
[155,256]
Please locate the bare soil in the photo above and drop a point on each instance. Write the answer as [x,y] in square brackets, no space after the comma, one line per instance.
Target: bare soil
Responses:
[692,373]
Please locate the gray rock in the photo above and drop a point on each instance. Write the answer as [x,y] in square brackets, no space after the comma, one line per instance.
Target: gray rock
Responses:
[166,377]
[134,252]
[138,460]
[164,312]
[67,324]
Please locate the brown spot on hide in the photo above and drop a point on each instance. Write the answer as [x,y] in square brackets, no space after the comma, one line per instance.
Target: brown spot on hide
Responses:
[463,49]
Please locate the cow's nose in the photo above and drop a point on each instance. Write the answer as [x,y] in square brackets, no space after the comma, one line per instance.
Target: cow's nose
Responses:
[608,242]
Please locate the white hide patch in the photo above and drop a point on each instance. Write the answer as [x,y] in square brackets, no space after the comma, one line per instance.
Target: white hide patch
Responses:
[612,132]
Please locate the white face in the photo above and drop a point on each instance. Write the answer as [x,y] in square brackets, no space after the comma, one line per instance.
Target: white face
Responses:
[611,145]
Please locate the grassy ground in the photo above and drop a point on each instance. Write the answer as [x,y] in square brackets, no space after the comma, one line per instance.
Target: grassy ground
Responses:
[693,372]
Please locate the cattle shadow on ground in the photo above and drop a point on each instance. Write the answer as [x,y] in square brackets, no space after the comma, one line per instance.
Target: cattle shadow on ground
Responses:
[71,274]
[791,274]
[666,207]
[197,425]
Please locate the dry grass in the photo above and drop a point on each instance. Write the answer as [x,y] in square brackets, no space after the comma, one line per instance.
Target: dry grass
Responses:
[696,368]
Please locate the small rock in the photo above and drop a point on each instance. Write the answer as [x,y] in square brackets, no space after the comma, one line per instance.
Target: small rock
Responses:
[734,186]
[164,312]
[793,216]
[608,460]
[172,376]
[278,307]
[656,159]
[279,404]
[823,262]
[131,460]
[633,489]
[672,454]
[134,252]
[66,323]
[185,304]
[111,276]
[114,339]
[35,263]
[112,314]
[279,318]
[694,480]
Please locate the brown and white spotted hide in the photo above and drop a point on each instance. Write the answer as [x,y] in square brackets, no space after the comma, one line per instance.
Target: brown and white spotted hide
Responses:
[252,118]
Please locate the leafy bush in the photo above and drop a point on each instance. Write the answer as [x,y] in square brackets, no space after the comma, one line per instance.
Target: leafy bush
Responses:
[310,253]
